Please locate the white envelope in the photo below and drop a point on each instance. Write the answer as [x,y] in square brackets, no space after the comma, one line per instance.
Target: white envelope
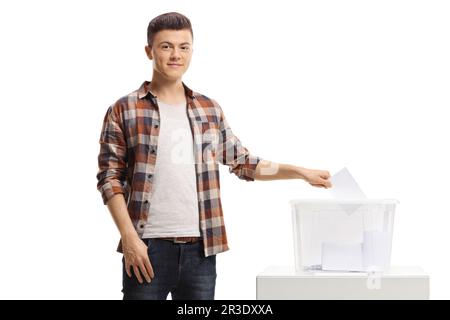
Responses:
[376,250]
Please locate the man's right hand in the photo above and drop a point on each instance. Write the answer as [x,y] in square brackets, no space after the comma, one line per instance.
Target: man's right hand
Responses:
[136,256]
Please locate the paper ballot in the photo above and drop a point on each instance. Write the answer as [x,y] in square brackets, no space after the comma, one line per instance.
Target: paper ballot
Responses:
[345,186]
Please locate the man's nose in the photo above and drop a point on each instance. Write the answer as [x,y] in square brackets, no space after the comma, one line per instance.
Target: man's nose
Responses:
[175,54]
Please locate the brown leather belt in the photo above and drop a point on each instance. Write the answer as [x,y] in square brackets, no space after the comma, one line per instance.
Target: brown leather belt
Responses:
[182,239]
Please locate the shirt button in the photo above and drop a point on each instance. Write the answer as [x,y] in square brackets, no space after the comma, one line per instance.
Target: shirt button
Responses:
[153,151]
[146,201]
[149,176]
[156,126]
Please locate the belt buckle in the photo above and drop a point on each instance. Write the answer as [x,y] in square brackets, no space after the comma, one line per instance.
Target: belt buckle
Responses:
[178,241]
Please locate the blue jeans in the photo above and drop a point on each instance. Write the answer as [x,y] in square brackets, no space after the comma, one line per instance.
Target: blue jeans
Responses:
[180,268]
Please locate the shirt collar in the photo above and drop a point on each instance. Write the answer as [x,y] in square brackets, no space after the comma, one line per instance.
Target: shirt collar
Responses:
[144,90]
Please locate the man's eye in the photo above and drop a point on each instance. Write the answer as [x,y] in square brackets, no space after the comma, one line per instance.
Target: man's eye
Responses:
[185,48]
[165,47]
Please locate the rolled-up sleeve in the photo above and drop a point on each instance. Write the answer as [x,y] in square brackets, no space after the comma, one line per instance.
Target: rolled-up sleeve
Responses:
[232,153]
[112,159]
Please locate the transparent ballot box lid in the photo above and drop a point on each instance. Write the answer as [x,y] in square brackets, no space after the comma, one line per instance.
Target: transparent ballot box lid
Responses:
[343,235]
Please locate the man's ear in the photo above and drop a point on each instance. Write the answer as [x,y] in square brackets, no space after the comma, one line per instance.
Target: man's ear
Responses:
[148,51]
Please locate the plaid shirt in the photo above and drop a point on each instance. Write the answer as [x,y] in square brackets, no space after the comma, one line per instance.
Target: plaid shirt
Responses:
[129,147]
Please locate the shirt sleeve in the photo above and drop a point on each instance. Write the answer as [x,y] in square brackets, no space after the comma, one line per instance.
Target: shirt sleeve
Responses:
[112,159]
[232,153]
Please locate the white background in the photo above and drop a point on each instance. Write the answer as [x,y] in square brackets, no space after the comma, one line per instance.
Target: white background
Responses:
[318,84]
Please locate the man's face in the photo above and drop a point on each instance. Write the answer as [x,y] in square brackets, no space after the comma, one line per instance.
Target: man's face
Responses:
[171,52]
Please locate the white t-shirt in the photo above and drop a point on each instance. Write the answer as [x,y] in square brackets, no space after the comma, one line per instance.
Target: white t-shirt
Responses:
[173,202]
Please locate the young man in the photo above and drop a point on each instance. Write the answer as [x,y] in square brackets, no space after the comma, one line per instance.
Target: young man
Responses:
[160,147]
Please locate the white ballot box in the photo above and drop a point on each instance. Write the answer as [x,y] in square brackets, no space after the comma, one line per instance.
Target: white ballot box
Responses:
[343,235]
[396,283]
